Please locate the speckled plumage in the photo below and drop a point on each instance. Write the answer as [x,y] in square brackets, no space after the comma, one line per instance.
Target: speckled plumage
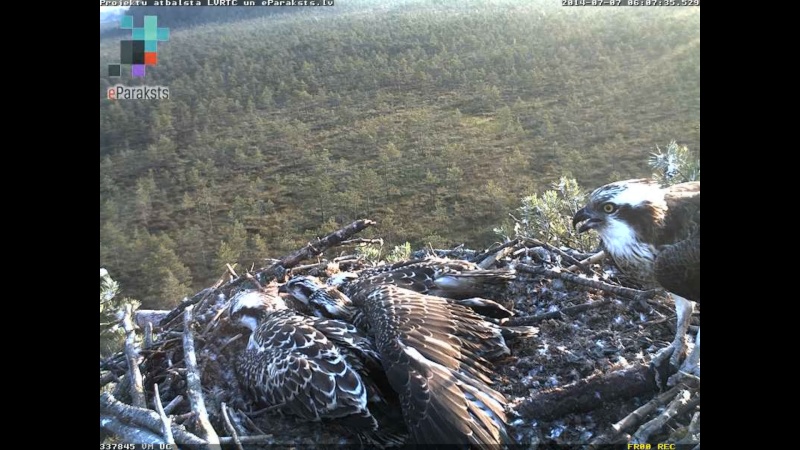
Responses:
[462,281]
[436,355]
[315,369]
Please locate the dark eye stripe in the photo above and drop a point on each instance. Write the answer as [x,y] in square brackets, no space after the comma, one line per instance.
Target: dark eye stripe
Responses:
[253,312]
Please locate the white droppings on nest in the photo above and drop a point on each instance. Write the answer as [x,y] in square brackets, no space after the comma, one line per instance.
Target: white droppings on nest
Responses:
[642,317]
[619,320]
[556,431]
[544,349]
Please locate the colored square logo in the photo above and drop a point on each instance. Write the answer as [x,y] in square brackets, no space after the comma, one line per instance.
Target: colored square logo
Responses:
[137,70]
[142,49]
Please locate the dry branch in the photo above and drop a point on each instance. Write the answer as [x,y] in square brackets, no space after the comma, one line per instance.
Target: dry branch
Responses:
[590,393]
[316,248]
[486,259]
[166,430]
[140,418]
[633,294]
[107,377]
[194,389]
[596,258]
[173,404]
[259,439]
[132,356]
[129,433]
[567,257]
[196,298]
[637,416]
[362,241]
[491,260]
[229,426]
[683,403]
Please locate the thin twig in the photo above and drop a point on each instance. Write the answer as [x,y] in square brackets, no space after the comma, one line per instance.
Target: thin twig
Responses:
[231,271]
[597,257]
[132,356]
[230,428]
[229,341]
[629,293]
[362,241]
[166,430]
[486,260]
[570,311]
[194,388]
[563,254]
[253,279]
[320,265]
[477,259]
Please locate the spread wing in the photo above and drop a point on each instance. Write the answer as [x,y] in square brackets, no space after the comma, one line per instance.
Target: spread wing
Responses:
[439,375]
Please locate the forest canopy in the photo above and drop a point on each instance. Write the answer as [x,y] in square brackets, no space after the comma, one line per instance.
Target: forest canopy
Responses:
[434,119]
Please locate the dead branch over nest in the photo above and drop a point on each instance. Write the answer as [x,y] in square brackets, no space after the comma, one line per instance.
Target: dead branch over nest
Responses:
[180,387]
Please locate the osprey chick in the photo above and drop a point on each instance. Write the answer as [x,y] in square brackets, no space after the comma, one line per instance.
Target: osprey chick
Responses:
[311,368]
[435,354]
[653,235]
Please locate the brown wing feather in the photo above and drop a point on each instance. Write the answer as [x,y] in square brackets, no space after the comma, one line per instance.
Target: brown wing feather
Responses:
[683,213]
[677,267]
[438,373]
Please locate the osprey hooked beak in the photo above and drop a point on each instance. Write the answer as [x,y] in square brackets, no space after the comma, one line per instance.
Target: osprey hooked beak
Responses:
[591,220]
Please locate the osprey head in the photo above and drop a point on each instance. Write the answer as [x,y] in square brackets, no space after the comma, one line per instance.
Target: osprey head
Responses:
[326,301]
[248,306]
[301,288]
[623,211]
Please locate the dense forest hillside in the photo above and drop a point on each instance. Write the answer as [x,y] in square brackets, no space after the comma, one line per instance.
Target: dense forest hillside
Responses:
[432,118]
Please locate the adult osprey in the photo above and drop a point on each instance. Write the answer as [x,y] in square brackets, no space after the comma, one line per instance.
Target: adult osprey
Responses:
[311,368]
[436,357]
[653,236]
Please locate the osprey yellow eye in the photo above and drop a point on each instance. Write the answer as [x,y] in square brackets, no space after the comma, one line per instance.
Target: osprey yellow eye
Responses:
[609,208]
